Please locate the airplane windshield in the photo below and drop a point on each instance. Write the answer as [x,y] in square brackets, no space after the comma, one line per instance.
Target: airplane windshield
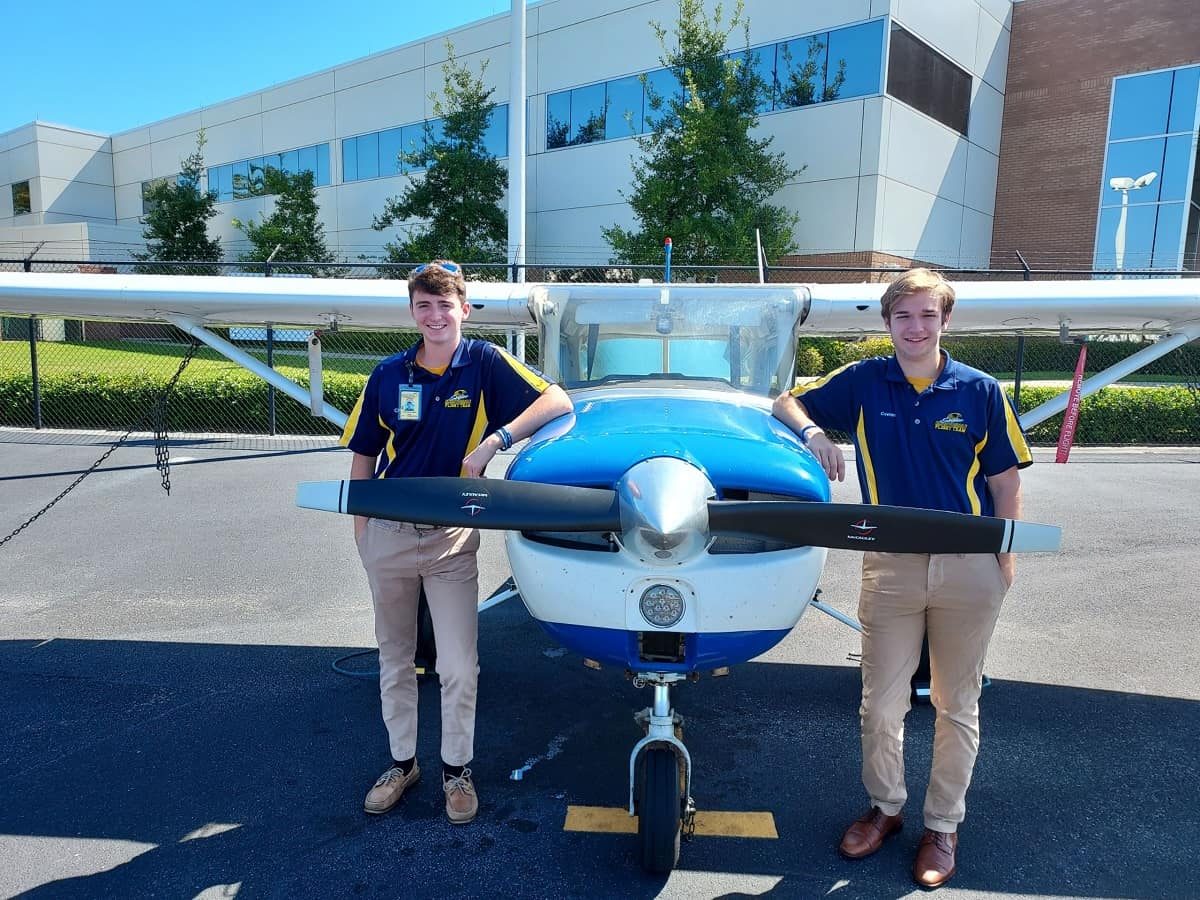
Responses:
[603,333]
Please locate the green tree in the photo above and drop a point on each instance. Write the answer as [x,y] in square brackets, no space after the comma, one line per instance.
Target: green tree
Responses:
[453,211]
[293,226]
[176,221]
[702,179]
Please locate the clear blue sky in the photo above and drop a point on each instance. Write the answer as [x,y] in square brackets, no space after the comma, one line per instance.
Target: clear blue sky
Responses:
[108,67]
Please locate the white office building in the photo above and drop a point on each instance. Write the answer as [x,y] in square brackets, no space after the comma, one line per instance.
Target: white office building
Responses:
[897,135]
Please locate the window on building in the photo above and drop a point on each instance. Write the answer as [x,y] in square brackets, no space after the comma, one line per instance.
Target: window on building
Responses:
[623,108]
[21,201]
[399,150]
[1149,214]
[244,178]
[831,65]
[928,82]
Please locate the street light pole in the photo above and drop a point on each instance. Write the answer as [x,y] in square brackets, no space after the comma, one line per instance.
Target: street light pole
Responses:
[1125,185]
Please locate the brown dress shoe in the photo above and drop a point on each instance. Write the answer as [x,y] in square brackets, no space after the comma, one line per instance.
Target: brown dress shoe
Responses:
[868,833]
[389,789]
[462,803]
[935,858]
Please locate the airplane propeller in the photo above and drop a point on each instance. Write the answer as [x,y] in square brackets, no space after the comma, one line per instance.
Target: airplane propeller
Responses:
[529,506]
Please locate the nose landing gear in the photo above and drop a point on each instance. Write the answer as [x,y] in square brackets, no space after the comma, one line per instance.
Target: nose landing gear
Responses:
[660,777]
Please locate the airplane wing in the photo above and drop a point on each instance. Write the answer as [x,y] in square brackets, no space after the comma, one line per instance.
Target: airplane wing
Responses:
[1155,306]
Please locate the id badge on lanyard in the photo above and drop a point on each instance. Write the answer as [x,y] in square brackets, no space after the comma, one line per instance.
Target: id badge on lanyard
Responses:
[409,409]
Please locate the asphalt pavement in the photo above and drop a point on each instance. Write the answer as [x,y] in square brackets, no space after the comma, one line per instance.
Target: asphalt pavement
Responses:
[174,724]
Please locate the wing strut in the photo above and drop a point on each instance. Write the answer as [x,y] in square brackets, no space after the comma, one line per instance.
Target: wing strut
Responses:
[246,361]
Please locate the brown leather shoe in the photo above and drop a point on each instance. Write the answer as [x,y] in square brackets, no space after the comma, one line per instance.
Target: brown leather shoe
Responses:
[389,789]
[935,858]
[462,804]
[868,833]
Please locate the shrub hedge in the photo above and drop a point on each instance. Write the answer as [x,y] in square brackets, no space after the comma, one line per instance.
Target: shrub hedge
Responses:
[998,354]
[235,401]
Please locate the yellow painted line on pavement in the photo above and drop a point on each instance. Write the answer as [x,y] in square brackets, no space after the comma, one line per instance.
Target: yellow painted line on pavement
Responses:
[616,820]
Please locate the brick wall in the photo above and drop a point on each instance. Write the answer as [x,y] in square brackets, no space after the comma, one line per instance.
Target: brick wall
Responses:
[1064,56]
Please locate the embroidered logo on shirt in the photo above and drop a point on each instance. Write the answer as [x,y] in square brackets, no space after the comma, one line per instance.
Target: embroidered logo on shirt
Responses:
[460,399]
[886,414]
[951,422]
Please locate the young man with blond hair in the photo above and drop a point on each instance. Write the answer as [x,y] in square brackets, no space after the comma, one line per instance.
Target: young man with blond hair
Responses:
[932,433]
[441,408]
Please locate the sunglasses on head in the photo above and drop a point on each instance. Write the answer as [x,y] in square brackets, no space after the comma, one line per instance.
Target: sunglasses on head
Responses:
[449,267]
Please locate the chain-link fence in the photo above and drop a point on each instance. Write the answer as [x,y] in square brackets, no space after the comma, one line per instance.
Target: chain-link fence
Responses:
[83,374]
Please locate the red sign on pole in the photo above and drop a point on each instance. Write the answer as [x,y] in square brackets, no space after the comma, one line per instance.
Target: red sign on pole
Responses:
[1066,436]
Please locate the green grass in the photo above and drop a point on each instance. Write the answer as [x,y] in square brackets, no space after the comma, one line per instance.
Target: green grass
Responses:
[159,360]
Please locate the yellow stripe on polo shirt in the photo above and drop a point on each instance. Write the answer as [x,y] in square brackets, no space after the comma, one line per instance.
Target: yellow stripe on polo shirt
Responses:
[351,422]
[476,432]
[813,385]
[972,496]
[868,466]
[389,448]
[537,382]
[1015,437]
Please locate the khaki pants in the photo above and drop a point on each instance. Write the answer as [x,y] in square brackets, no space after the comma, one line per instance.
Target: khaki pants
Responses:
[398,559]
[954,599]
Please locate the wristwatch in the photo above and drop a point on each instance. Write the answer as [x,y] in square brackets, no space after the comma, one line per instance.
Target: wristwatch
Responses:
[807,430]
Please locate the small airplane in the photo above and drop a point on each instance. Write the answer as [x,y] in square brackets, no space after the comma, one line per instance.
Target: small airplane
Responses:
[669,526]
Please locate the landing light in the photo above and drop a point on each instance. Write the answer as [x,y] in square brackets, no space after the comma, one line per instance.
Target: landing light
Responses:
[661,605]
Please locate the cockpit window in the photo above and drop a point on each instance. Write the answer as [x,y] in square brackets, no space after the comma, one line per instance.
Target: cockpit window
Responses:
[592,334]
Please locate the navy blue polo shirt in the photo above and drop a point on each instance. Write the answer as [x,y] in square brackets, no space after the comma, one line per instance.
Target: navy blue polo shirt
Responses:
[482,389]
[930,450]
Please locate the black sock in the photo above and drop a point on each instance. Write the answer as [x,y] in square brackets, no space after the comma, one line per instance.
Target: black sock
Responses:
[406,767]
[449,771]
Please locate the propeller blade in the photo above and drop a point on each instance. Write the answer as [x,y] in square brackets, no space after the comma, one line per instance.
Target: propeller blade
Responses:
[468,502]
[889,529]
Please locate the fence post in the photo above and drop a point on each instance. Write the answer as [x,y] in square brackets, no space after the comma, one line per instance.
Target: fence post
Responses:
[33,367]
[34,328]
[270,351]
[1028,276]
[271,388]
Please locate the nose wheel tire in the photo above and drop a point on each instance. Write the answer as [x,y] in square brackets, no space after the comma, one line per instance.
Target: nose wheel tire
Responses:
[659,810]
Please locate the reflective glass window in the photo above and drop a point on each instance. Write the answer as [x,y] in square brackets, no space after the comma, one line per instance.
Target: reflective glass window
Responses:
[495,138]
[1133,159]
[1183,100]
[257,167]
[220,180]
[801,71]
[558,119]
[322,170]
[1137,241]
[1140,105]
[289,162]
[624,107]
[350,159]
[368,155]
[1177,164]
[1168,235]
[661,87]
[21,199]
[927,81]
[391,144]
[307,161]
[861,48]
[1191,242]
[412,140]
[241,180]
[587,114]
